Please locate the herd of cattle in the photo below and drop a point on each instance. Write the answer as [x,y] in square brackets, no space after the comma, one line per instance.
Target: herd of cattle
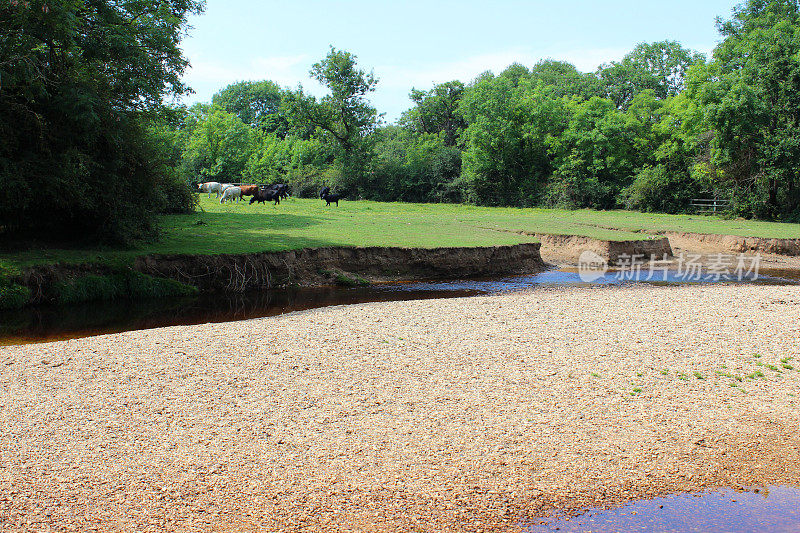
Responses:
[228,192]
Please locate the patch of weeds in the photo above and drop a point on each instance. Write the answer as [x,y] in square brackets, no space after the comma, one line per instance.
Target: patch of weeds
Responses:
[639,374]
[756,374]
[345,280]
[757,355]
[792,395]
[772,367]
[636,390]
[785,363]
[665,372]
[595,375]
[698,375]
[729,375]
[682,376]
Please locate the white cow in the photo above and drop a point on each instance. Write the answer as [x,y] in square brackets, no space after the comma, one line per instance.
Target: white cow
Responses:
[230,194]
[209,187]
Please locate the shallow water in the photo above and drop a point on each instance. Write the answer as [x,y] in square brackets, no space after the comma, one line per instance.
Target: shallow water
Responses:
[771,509]
[48,323]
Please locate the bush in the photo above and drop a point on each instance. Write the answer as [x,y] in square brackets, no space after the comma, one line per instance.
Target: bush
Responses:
[657,189]
[121,285]
[13,295]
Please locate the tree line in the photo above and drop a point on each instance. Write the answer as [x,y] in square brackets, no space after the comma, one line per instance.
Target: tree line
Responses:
[650,132]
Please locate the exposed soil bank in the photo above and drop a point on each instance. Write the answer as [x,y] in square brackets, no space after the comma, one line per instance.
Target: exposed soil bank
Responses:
[570,247]
[732,243]
[320,266]
[306,267]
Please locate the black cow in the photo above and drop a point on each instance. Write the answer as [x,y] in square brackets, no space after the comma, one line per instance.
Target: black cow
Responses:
[281,188]
[264,194]
[324,191]
[331,198]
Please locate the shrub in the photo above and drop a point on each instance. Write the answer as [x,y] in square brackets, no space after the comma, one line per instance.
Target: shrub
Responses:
[127,284]
[13,295]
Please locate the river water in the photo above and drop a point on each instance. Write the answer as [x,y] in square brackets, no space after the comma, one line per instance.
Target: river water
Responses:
[53,322]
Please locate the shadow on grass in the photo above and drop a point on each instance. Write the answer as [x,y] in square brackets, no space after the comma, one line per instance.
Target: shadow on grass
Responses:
[266,230]
[199,233]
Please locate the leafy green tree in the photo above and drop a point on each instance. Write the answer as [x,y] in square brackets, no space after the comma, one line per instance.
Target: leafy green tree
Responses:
[413,167]
[597,156]
[560,78]
[678,170]
[659,67]
[220,147]
[751,98]
[81,82]
[436,111]
[507,141]
[256,103]
[345,115]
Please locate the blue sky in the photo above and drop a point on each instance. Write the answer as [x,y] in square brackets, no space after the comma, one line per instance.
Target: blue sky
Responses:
[418,43]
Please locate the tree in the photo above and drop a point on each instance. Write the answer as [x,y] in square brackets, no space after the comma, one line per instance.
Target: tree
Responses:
[560,78]
[436,111]
[220,147]
[659,67]
[597,155]
[80,83]
[256,103]
[345,115]
[507,141]
[750,93]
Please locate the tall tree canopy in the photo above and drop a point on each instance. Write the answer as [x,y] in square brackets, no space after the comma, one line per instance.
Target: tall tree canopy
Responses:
[659,67]
[436,111]
[79,81]
[345,114]
[256,103]
[750,93]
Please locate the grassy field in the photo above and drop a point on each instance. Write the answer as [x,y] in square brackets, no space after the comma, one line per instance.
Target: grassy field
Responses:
[301,223]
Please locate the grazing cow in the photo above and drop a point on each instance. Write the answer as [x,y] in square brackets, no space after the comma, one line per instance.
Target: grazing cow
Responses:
[331,198]
[209,187]
[224,186]
[230,194]
[264,194]
[248,190]
[324,191]
[281,188]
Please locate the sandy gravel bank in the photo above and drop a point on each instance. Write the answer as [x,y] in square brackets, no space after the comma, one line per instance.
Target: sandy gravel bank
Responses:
[439,415]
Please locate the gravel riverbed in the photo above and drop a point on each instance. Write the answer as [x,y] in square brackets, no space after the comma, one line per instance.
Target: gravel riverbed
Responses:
[469,414]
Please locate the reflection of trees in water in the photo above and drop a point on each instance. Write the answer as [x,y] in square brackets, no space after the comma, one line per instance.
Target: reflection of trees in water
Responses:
[50,322]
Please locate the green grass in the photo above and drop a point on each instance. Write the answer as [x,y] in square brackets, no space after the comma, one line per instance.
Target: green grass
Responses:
[301,223]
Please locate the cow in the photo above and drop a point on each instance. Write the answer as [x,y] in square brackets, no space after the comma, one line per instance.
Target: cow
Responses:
[331,198]
[209,187]
[281,188]
[265,194]
[230,194]
[324,191]
[248,190]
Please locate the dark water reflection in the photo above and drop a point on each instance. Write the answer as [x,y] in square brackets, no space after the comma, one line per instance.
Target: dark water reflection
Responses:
[772,509]
[47,323]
